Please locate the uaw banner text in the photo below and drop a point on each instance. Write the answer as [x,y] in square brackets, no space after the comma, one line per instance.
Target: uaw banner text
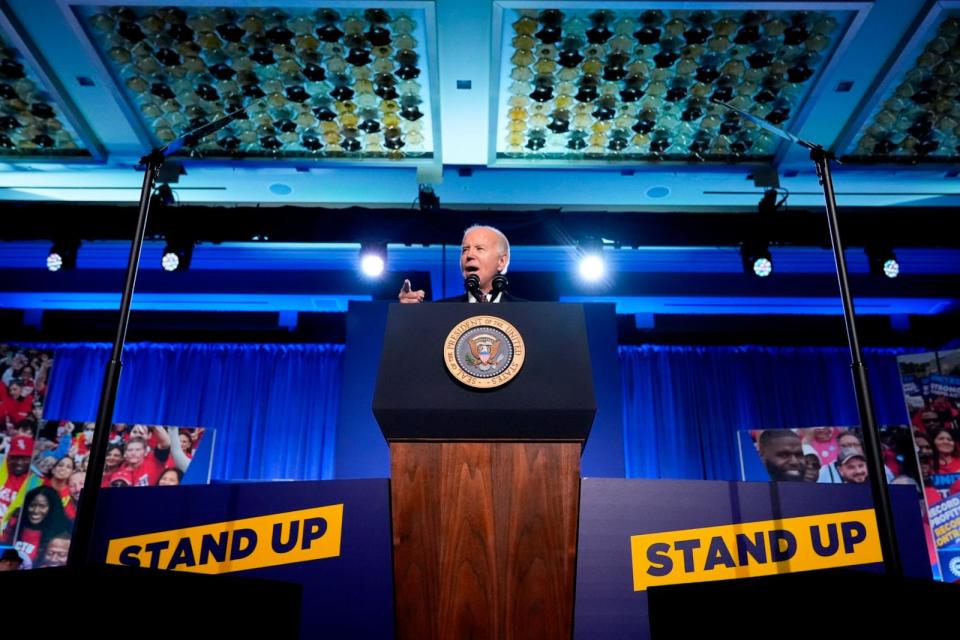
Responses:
[639,534]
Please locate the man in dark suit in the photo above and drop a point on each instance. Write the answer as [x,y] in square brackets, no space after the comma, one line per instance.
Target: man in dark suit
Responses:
[485,251]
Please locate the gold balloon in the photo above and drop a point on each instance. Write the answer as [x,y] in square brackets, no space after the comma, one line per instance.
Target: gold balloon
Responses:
[545,66]
[523,42]
[525,26]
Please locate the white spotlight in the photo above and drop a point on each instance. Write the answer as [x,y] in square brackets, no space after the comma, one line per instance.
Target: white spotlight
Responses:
[373,259]
[54,261]
[170,261]
[762,267]
[372,265]
[592,267]
[891,268]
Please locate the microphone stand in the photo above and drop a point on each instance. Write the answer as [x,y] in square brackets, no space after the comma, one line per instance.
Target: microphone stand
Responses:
[878,479]
[80,552]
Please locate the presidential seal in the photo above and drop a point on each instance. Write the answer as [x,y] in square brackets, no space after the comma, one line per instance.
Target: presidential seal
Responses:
[484,352]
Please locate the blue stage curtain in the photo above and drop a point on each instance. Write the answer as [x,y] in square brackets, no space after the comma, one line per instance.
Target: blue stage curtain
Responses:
[682,406]
[274,406]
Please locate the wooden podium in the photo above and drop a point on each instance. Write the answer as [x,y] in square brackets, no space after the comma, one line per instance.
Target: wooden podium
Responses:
[485,483]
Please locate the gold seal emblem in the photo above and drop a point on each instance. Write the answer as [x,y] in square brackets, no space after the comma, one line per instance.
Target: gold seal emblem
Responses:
[484,352]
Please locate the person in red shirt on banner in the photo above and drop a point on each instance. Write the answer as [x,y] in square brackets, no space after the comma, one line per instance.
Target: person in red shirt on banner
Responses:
[14,475]
[42,520]
[111,463]
[15,406]
[119,434]
[121,478]
[948,454]
[80,448]
[59,478]
[146,465]
[186,443]
[75,486]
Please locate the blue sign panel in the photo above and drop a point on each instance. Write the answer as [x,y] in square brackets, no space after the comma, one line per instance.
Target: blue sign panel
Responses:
[332,537]
[636,534]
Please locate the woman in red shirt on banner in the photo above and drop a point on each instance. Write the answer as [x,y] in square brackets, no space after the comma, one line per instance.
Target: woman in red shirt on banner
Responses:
[111,463]
[59,479]
[43,520]
[948,455]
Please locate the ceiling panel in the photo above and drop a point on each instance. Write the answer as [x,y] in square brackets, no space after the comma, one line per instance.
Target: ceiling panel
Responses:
[33,117]
[347,83]
[637,82]
[914,116]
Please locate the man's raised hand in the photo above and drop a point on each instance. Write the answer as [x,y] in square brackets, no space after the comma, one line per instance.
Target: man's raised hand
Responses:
[410,297]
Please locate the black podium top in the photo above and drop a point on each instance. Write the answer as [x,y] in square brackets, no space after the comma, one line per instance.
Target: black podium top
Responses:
[549,399]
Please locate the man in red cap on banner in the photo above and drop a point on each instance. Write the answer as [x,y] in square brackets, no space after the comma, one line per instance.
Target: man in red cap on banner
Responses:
[14,475]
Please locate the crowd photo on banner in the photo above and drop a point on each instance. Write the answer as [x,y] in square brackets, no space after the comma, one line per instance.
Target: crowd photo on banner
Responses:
[835,455]
[43,463]
[827,455]
[931,389]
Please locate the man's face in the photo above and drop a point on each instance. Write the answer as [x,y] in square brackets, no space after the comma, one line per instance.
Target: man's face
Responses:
[134,453]
[811,467]
[930,420]
[56,553]
[854,470]
[783,457]
[18,465]
[849,441]
[14,390]
[9,565]
[76,484]
[480,254]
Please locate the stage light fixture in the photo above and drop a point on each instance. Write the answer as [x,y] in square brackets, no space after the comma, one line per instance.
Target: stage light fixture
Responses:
[882,261]
[177,255]
[373,259]
[592,265]
[165,193]
[428,198]
[63,255]
[756,259]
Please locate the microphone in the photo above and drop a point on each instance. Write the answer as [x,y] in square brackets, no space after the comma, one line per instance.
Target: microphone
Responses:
[500,285]
[472,284]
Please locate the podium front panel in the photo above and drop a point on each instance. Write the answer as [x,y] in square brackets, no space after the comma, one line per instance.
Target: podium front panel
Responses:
[551,398]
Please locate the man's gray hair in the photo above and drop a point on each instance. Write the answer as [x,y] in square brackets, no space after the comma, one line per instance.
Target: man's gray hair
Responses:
[504,247]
